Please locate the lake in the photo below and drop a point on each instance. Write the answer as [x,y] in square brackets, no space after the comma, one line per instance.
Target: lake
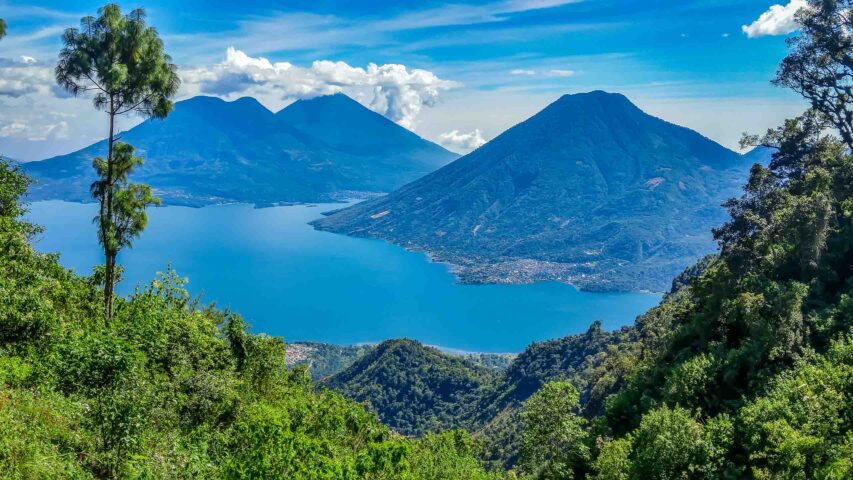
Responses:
[290,280]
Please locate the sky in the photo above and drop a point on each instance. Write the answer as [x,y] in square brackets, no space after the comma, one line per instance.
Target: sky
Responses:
[457,73]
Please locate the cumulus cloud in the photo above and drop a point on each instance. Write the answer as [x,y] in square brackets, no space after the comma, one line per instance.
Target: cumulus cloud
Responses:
[395,91]
[521,71]
[778,20]
[22,130]
[24,76]
[462,141]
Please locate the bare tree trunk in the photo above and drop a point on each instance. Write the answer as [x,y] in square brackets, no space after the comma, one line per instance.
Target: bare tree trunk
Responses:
[109,281]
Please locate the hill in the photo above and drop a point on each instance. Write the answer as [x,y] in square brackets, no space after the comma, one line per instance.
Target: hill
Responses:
[211,151]
[591,190]
[326,359]
[414,388]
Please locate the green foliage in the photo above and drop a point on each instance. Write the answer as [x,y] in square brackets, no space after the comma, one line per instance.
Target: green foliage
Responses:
[672,444]
[413,388]
[801,428]
[172,389]
[818,67]
[121,59]
[553,439]
[2,28]
[613,461]
[124,218]
[40,432]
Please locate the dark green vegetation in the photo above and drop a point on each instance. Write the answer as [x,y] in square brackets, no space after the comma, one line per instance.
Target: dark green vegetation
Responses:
[212,151]
[325,359]
[170,388]
[416,389]
[590,190]
[413,388]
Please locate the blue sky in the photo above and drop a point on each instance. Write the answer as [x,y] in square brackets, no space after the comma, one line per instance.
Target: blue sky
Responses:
[454,72]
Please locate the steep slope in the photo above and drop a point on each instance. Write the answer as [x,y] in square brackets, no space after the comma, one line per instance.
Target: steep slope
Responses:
[346,125]
[210,151]
[414,388]
[760,155]
[591,190]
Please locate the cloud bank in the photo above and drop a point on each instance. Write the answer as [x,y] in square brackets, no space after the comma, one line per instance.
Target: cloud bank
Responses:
[393,90]
[462,141]
[778,20]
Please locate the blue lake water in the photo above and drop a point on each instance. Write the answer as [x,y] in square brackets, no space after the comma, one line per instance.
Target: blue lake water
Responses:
[290,280]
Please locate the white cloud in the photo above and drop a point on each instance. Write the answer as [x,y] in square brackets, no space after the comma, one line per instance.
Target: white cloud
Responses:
[462,141]
[398,92]
[560,73]
[21,130]
[13,129]
[548,73]
[24,76]
[778,20]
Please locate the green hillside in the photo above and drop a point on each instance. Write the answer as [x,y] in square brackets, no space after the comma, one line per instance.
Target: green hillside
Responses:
[170,388]
[414,388]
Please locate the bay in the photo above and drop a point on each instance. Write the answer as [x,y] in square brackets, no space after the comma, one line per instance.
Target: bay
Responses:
[290,280]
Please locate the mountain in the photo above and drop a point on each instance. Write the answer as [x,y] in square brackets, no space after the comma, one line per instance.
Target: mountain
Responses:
[325,359]
[210,151]
[346,125]
[759,154]
[414,388]
[590,190]
[417,389]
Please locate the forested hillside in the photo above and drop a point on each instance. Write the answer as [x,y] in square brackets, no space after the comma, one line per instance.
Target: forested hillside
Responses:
[170,388]
[413,388]
[417,389]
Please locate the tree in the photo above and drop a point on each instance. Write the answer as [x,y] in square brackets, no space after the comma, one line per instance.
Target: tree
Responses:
[671,444]
[820,64]
[2,28]
[120,59]
[554,442]
[122,215]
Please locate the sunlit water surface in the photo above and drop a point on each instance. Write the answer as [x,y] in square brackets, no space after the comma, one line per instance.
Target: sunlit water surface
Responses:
[290,280]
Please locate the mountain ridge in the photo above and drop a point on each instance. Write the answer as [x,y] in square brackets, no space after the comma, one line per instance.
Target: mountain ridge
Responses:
[591,190]
[212,151]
